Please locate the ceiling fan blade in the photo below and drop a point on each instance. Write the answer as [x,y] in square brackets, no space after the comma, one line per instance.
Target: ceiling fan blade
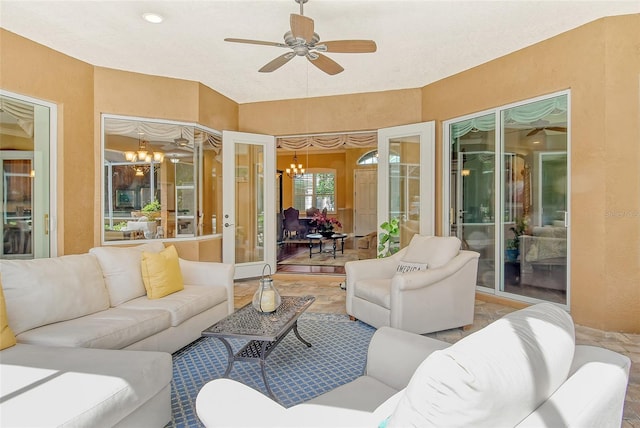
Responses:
[301,27]
[534,132]
[557,128]
[349,46]
[325,64]
[256,42]
[277,63]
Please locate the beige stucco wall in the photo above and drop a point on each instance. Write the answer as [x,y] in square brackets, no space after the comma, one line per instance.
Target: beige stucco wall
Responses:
[600,64]
[341,113]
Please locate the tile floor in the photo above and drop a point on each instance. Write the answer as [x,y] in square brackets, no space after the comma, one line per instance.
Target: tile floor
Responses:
[330,298]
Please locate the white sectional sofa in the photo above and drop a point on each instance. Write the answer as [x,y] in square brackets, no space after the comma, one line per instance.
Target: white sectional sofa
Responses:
[85,328]
[523,370]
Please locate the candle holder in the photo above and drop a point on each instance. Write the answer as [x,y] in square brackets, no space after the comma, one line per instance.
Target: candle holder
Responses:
[266,298]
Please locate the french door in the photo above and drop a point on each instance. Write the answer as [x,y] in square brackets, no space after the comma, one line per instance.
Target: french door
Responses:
[406,177]
[249,207]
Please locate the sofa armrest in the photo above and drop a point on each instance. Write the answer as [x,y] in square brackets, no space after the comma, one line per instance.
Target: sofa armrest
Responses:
[592,396]
[224,403]
[209,274]
[394,355]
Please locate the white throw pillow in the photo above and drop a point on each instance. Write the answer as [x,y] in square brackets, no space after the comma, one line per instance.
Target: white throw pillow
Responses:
[436,251]
[122,271]
[406,267]
[43,291]
[494,377]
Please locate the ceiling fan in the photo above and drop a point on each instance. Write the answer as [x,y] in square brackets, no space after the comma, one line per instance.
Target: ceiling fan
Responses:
[542,125]
[303,41]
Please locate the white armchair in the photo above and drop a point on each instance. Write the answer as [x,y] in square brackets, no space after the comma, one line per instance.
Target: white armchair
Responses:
[422,301]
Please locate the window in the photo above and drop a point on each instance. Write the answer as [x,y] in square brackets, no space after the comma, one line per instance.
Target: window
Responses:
[315,189]
[154,179]
[371,158]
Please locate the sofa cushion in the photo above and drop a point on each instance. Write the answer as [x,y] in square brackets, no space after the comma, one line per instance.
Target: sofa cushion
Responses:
[44,291]
[121,270]
[435,251]
[72,387]
[377,291]
[521,358]
[114,328]
[7,338]
[161,273]
[184,304]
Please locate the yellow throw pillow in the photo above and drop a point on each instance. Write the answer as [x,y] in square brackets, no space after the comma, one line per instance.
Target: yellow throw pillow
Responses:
[161,273]
[7,338]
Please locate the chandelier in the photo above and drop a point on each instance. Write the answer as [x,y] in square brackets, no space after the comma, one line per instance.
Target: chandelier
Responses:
[144,153]
[295,170]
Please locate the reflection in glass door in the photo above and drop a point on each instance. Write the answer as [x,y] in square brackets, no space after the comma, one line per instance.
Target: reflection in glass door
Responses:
[17,198]
[25,140]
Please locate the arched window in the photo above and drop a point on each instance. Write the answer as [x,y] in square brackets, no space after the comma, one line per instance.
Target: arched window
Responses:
[371,158]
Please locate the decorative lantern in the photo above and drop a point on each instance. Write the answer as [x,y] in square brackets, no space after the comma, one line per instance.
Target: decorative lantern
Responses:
[266,298]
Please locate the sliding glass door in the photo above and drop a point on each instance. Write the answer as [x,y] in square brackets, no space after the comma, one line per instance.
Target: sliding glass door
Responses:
[507,174]
[25,141]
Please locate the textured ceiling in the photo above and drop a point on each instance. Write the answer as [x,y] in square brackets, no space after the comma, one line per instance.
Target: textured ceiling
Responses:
[419,42]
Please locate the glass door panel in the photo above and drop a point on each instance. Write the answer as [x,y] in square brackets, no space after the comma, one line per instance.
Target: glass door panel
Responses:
[472,195]
[535,203]
[406,180]
[25,139]
[249,223]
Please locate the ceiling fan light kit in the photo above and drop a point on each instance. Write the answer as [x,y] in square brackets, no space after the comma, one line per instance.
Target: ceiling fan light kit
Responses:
[304,41]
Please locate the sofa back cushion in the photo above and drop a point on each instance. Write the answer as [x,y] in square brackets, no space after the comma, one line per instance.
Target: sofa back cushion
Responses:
[43,291]
[435,251]
[494,377]
[122,271]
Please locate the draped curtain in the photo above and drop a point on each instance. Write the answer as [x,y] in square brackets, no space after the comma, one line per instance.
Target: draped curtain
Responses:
[549,109]
[333,141]
[161,131]
[22,113]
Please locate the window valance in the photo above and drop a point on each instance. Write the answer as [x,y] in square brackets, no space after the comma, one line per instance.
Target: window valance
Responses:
[333,141]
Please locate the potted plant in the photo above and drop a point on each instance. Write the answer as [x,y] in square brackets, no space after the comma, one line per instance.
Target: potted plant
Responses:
[152,210]
[389,243]
[512,250]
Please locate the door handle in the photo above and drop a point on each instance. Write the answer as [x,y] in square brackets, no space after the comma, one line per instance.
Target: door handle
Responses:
[228,224]
[46,224]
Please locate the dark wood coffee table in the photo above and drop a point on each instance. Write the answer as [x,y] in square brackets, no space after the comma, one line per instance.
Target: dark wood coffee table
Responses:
[263,331]
[321,238]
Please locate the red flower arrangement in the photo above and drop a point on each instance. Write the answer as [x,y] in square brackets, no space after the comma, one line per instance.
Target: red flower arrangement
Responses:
[324,223]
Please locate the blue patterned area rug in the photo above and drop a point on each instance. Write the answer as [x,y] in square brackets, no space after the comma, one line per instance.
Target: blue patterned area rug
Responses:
[295,373]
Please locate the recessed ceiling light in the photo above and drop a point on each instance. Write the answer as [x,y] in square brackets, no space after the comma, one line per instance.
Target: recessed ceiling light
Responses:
[153,18]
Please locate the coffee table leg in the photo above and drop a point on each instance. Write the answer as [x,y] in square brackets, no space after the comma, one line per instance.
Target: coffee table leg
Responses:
[295,330]
[263,364]
[310,247]
[230,362]
[334,248]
